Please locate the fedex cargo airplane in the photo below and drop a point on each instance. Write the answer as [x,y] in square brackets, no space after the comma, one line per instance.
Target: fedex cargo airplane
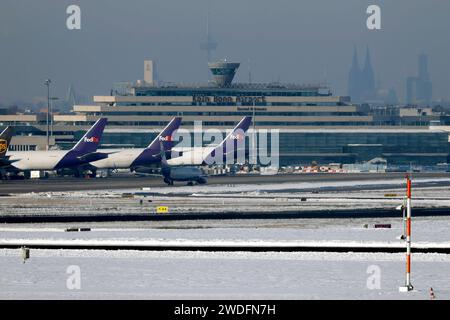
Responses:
[206,155]
[186,167]
[139,157]
[83,152]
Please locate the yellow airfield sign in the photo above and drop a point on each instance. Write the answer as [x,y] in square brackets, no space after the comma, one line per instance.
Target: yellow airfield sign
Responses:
[162,209]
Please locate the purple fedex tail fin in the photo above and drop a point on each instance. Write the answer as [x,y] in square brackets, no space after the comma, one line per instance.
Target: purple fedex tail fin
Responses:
[238,133]
[165,136]
[163,142]
[90,141]
[233,144]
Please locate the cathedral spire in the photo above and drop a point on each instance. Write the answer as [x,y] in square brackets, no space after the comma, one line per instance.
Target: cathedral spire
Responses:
[355,63]
[354,78]
[368,75]
[367,62]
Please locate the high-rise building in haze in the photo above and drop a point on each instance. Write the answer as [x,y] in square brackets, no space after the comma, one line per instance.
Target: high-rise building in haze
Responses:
[361,82]
[419,90]
[149,72]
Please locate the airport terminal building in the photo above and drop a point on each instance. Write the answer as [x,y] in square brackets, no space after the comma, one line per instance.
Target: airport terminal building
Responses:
[314,125]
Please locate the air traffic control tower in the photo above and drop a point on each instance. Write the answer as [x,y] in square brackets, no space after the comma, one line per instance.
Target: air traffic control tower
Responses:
[223,72]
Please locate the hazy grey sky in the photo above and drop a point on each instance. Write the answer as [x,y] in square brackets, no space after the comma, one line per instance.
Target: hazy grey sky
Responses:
[290,40]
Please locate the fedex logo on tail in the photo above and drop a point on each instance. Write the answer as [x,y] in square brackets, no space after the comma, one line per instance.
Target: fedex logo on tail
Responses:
[92,139]
[167,138]
[237,136]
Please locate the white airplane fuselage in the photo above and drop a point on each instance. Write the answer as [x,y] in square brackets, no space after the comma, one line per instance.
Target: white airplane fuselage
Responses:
[36,160]
[193,157]
[118,158]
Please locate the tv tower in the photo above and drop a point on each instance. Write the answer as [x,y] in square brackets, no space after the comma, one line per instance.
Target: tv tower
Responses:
[209,45]
[71,96]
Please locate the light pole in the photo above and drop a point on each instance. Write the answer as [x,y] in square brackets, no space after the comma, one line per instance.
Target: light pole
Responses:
[47,83]
[51,114]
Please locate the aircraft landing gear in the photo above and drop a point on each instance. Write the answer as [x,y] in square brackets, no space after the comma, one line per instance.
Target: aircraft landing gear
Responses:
[168,181]
[93,174]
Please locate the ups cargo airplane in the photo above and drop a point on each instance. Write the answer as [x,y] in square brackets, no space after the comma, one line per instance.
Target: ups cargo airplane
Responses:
[5,139]
[83,152]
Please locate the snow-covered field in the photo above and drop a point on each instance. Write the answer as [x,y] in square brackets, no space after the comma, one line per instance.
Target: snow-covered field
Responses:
[424,229]
[225,275]
[200,275]
[127,274]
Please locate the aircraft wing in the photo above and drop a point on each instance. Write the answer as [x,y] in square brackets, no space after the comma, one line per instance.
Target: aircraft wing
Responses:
[97,155]
[6,162]
[143,174]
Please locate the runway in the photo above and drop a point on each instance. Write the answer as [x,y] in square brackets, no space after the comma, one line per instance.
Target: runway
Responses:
[129,181]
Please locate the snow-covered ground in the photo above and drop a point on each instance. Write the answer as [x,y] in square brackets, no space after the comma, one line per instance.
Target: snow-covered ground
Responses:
[200,275]
[226,275]
[229,275]
[424,229]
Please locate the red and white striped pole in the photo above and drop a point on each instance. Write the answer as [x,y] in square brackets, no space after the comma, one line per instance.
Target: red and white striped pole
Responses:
[408,286]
